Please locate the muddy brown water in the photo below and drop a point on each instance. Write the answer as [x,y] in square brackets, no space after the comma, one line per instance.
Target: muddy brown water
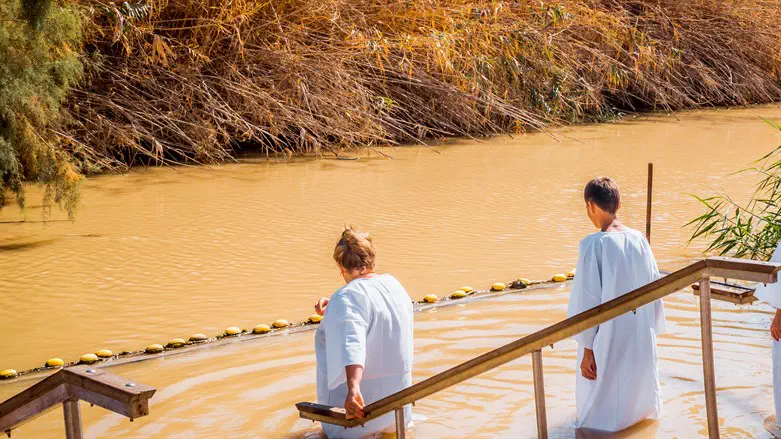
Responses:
[164,253]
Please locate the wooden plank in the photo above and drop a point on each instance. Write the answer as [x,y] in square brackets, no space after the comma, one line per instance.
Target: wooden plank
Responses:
[107,384]
[733,294]
[325,413]
[744,269]
[96,387]
[33,392]
[26,409]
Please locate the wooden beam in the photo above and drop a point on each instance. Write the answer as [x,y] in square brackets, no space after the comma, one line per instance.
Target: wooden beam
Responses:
[728,293]
[72,412]
[29,407]
[110,391]
[743,269]
[96,387]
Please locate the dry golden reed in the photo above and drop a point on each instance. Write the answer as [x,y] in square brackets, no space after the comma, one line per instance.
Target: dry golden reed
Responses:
[198,81]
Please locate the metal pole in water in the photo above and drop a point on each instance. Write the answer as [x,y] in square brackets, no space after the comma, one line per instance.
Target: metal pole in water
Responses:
[401,424]
[649,198]
[707,358]
[72,413]
[539,395]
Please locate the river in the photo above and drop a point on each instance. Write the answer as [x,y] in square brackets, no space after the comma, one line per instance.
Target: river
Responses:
[166,252]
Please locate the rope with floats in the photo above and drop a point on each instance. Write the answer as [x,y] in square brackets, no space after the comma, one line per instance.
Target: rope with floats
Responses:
[278,327]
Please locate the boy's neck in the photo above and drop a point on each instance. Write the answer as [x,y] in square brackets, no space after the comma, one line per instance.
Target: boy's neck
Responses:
[610,223]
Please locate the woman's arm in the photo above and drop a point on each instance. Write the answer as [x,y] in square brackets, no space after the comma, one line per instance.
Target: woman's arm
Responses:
[354,404]
[775,327]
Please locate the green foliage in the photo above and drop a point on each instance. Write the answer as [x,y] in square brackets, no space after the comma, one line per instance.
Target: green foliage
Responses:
[39,63]
[752,230]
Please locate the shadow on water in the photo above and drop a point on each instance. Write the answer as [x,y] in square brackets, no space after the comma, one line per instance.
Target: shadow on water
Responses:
[13,246]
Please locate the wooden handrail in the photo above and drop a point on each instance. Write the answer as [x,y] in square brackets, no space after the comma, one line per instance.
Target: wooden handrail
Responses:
[67,387]
[715,266]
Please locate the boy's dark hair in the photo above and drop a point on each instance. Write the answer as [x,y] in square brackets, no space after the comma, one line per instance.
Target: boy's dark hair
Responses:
[603,192]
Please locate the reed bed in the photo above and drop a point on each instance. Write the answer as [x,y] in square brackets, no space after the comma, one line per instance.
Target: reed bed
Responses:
[197,81]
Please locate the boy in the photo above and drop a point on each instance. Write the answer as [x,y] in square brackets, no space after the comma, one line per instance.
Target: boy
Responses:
[771,294]
[618,383]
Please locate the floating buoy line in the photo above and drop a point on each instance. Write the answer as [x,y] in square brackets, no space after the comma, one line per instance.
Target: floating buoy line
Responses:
[278,327]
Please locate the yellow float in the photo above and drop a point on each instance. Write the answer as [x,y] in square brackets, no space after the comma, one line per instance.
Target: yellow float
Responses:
[430,298]
[88,359]
[7,374]
[559,277]
[281,323]
[261,329]
[55,362]
[498,286]
[524,281]
[232,330]
[154,349]
[458,294]
[198,338]
[571,273]
[315,318]
[175,343]
[467,289]
[104,353]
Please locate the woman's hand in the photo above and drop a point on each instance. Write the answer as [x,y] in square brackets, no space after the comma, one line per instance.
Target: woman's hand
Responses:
[775,327]
[353,404]
[320,305]
[588,367]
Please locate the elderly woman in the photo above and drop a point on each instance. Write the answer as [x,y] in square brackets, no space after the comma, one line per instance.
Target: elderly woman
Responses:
[364,342]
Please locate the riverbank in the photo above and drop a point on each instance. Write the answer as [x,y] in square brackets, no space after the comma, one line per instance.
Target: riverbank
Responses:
[200,82]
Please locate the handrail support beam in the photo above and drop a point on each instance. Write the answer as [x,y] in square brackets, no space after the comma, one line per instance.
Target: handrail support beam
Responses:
[539,395]
[401,424]
[72,411]
[709,374]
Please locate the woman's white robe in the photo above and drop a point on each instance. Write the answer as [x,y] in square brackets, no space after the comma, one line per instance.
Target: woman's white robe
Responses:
[367,322]
[771,294]
[626,390]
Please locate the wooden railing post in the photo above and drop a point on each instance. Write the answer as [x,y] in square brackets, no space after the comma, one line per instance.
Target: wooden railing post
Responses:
[401,424]
[707,358]
[72,412]
[539,395]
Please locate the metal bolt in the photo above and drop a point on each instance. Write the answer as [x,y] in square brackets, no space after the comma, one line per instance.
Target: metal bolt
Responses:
[90,370]
[130,385]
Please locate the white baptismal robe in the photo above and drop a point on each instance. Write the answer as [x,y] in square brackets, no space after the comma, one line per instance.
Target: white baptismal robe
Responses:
[626,390]
[367,322]
[771,294]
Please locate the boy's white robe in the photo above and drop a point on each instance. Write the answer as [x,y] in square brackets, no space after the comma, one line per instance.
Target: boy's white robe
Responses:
[771,294]
[626,390]
[367,322]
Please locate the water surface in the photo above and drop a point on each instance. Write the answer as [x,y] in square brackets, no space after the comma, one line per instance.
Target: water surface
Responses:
[163,253]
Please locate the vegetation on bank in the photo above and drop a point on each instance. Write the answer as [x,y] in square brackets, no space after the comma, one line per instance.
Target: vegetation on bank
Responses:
[751,230]
[39,65]
[196,81]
